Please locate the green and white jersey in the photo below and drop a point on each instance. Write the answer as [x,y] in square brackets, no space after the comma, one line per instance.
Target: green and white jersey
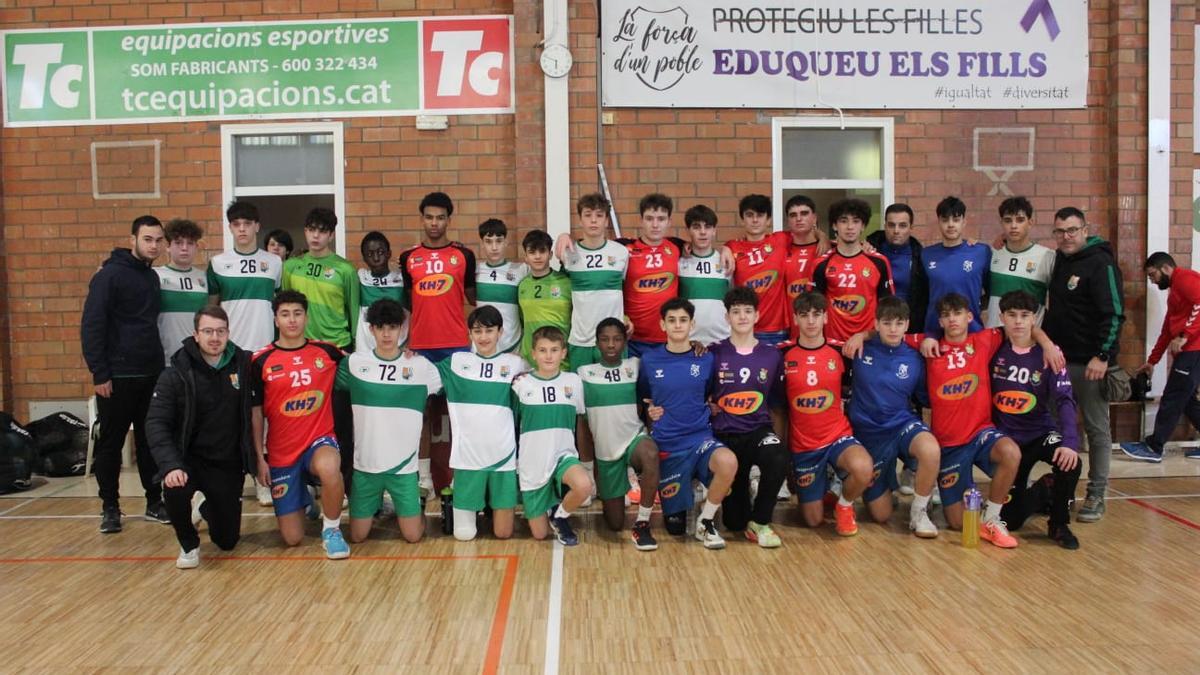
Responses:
[497,286]
[1027,270]
[370,289]
[479,400]
[547,411]
[703,283]
[246,283]
[331,285]
[181,294]
[544,301]
[388,399]
[597,283]
[611,395]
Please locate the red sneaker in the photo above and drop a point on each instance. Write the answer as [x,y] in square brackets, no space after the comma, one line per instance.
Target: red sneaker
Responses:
[847,525]
[996,532]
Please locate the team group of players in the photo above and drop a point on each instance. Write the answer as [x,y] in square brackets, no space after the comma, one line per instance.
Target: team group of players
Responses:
[777,358]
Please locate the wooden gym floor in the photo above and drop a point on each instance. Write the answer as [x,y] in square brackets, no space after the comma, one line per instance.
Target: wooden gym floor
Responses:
[75,601]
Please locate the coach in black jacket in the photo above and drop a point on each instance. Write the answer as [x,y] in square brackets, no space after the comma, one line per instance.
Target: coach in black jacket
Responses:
[894,240]
[199,431]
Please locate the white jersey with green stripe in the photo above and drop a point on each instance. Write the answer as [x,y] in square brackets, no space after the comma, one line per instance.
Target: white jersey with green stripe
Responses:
[388,400]
[547,409]
[597,288]
[497,286]
[479,399]
[246,283]
[370,289]
[181,294]
[702,281]
[1027,270]
[612,413]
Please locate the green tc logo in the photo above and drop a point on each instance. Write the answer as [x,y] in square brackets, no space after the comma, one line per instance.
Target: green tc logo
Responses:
[46,77]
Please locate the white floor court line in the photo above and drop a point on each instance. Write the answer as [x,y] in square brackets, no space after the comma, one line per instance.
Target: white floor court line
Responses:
[554,611]
[1126,497]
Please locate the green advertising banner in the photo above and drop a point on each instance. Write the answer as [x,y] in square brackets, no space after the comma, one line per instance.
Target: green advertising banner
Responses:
[173,73]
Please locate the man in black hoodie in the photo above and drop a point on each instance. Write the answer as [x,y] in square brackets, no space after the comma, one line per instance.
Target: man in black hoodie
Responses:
[119,332]
[199,431]
[1084,314]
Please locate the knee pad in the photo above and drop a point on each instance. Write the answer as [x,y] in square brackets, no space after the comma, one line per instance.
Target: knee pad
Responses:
[464,525]
[675,523]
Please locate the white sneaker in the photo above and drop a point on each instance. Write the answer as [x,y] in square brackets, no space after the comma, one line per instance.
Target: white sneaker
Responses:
[906,482]
[197,500]
[388,509]
[425,486]
[936,497]
[188,560]
[263,494]
[706,532]
[921,525]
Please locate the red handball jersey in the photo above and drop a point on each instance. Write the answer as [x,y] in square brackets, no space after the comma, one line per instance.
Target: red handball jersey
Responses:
[960,389]
[294,387]
[797,275]
[759,265]
[853,285]
[651,279]
[813,378]
[437,280]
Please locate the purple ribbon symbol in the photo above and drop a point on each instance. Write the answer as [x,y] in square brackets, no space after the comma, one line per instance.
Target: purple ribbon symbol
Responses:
[1043,9]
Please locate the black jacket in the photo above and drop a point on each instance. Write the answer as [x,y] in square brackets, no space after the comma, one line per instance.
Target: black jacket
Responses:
[172,414]
[918,283]
[1085,309]
[119,328]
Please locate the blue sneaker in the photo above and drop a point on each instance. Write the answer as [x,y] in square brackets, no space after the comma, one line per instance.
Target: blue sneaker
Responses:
[562,528]
[1192,453]
[1141,452]
[336,547]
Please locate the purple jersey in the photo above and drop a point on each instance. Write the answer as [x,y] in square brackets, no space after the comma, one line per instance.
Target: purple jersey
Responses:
[1023,391]
[745,386]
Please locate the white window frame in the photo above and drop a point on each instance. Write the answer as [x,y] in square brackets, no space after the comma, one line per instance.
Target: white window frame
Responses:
[885,184]
[338,188]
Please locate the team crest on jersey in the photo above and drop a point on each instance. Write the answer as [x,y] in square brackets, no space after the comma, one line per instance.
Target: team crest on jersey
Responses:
[831,365]
[1035,377]
[406,373]
[1030,267]
[453,260]
[767,248]
[970,349]
[555,292]
[968,265]
[902,372]
[262,265]
[234,382]
[629,373]
[510,275]
[329,273]
[612,261]
[319,363]
[200,283]
[568,392]
[504,371]
[763,375]
[866,272]
[668,251]
[1072,283]
[695,370]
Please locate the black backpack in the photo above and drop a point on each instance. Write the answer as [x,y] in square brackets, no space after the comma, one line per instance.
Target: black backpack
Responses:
[17,455]
[62,441]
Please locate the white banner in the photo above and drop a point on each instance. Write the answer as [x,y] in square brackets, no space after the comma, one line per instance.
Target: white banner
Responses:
[845,53]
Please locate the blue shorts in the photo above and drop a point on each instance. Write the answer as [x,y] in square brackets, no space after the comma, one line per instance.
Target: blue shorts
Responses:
[955,476]
[441,353]
[288,493]
[771,338]
[678,463]
[885,450]
[809,468]
[638,349]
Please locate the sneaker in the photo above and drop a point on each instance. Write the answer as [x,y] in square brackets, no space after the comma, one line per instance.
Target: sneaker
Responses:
[188,560]
[425,486]
[921,525]
[1063,536]
[1141,452]
[935,497]
[197,515]
[847,525]
[157,513]
[762,535]
[110,520]
[1039,494]
[642,539]
[634,496]
[336,547]
[262,494]
[1192,453]
[835,485]
[706,532]
[996,532]
[675,523]
[563,531]
[1092,510]
[906,482]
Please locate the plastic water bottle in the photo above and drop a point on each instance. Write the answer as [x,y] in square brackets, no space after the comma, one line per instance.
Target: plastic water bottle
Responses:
[972,503]
[447,495]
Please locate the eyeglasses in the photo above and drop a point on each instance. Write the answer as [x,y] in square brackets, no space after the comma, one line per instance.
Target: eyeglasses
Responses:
[1068,231]
[214,332]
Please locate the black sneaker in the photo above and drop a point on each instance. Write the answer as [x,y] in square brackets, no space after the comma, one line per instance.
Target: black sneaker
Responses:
[157,513]
[676,523]
[642,539]
[1039,494]
[1064,537]
[110,519]
[562,528]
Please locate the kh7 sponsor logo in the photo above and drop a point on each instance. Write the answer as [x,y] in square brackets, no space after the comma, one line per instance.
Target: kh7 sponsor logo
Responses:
[655,283]
[762,281]
[741,403]
[849,304]
[813,402]
[304,403]
[467,64]
[949,480]
[1014,402]
[959,388]
[435,284]
[669,490]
